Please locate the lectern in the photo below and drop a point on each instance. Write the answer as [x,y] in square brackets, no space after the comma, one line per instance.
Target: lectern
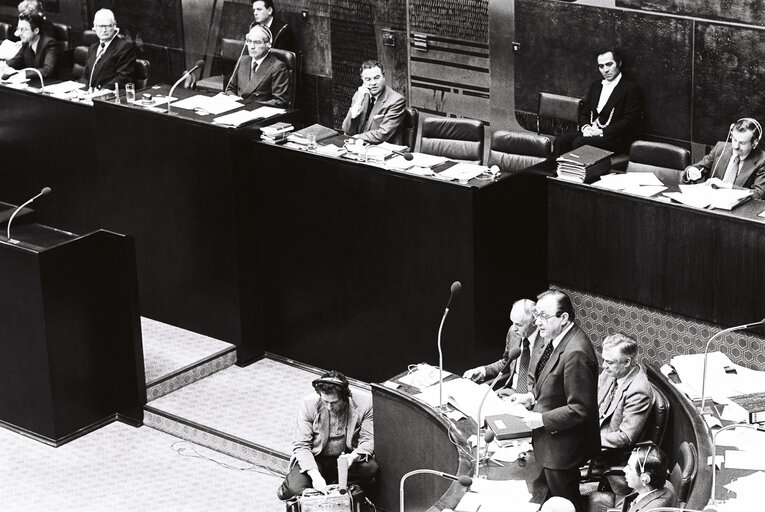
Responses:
[72,355]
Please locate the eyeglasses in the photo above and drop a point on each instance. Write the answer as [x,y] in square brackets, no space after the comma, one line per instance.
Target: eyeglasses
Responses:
[256,41]
[103,27]
[546,316]
[23,29]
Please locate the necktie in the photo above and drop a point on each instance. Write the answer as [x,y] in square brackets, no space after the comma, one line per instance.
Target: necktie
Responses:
[732,171]
[522,385]
[368,114]
[608,399]
[253,69]
[100,52]
[543,359]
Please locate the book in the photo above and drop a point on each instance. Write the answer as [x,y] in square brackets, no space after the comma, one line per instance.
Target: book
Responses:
[753,404]
[506,426]
[277,128]
[584,164]
[321,132]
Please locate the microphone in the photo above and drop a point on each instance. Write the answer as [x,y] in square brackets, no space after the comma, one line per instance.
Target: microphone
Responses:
[511,356]
[42,86]
[454,290]
[463,480]
[408,157]
[244,47]
[183,77]
[706,354]
[44,191]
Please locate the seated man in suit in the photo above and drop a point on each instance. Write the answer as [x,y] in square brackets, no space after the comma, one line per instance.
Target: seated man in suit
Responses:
[37,51]
[612,111]
[740,164]
[260,76]
[523,334]
[263,12]
[377,111]
[646,473]
[111,60]
[332,424]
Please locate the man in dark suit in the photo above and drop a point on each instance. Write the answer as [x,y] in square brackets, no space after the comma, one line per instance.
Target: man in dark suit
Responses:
[260,76]
[564,417]
[522,334]
[37,51]
[738,164]
[111,60]
[612,112]
[646,473]
[377,111]
[263,12]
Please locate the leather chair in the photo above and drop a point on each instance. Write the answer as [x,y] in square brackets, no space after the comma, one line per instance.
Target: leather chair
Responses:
[79,60]
[5,29]
[410,127]
[557,106]
[290,60]
[89,37]
[141,73]
[458,139]
[515,151]
[63,34]
[665,160]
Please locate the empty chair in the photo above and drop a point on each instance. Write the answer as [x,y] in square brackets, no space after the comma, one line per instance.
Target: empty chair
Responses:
[410,126]
[290,60]
[459,139]
[5,29]
[141,73]
[515,151]
[89,37]
[665,160]
[63,34]
[230,51]
[557,106]
[79,61]
[683,474]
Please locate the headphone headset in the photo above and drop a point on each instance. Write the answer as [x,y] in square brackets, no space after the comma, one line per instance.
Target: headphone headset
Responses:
[344,389]
[645,478]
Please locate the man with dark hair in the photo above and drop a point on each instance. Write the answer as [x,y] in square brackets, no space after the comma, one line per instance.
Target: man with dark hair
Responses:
[112,59]
[263,12]
[738,164]
[377,111]
[260,76]
[612,112]
[37,51]
[564,415]
[332,424]
[646,473]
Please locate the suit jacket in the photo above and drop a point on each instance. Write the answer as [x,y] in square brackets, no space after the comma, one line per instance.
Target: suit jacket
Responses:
[621,426]
[512,340]
[312,429]
[624,108]
[383,123]
[664,497]
[566,395]
[270,85]
[283,38]
[116,65]
[45,59]
[751,175]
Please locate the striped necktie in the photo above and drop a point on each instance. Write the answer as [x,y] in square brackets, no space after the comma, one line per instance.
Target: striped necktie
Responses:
[521,383]
[732,171]
[543,359]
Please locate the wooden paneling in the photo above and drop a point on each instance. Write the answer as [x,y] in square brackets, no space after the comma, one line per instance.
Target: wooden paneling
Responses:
[155,21]
[751,11]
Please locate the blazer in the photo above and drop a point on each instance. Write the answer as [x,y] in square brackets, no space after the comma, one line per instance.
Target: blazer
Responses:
[312,429]
[622,424]
[270,85]
[566,395]
[664,497]
[116,65]
[512,340]
[45,59]
[383,123]
[282,36]
[751,175]
[624,107]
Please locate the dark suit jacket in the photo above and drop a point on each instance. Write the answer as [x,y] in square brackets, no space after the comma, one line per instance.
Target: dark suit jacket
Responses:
[283,38]
[270,85]
[45,59]
[566,395]
[115,66]
[624,107]
[751,175]
[623,422]
[383,123]
[512,340]
[662,498]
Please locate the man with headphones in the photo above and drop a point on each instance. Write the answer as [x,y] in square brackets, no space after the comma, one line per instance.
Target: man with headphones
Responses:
[260,76]
[739,164]
[112,59]
[332,424]
[646,473]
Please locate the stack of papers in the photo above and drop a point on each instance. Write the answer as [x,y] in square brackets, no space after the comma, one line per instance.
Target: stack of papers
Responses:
[215,105]
[465,395]
[724,379]
[644,184]
[418,160]
[236,119]
[705,196]
[463,171]
[64,88]
[584,164]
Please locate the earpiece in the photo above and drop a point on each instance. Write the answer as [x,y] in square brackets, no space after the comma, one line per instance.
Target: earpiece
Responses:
[645,478]
[342,385]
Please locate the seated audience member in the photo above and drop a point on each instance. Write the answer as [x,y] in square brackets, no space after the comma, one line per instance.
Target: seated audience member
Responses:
[377,111]
[111,60]
[740,163]
[646,473]
[612,112]
[263,12]
[37,51]
[332,423]
[557,504]
[260,76]
[522,334]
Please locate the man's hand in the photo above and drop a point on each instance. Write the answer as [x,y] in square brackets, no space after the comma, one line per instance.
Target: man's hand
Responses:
[475,374]
[351,457]
[358,101]
[717,183]
[506,393]
[317,481]
[693,173]
[534,420]
[525,399]
[589,130]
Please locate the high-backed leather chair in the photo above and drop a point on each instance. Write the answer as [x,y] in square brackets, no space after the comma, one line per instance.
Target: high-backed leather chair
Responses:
[5,29]
[290,59]
[89,37]
[558,106]
[230,51]
[63,34]
[141,73]
[79,61]
[458,139]
[410,126]
[665,160]
[515,151]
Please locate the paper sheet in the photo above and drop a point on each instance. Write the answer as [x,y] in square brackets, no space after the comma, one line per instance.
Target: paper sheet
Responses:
[9,49]
[237,118]
[737,459]
[63,87]
[215,105]
[463,171]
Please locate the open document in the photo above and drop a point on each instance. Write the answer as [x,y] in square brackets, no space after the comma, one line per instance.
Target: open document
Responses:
[644,184]
[465,395]
[705,196]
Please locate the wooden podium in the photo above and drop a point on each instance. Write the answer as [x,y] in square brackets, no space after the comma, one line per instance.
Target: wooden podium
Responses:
[70,333]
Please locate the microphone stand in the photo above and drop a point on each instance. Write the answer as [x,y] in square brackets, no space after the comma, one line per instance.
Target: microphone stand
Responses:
[455,289]
[44,191]
[464,480]
[42,86]
[183,77]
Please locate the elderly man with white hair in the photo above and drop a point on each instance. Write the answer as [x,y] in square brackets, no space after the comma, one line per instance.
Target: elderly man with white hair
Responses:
[112,59]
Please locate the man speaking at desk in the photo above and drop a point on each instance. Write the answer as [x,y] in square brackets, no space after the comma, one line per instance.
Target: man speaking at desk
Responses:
[740,163]
[260,76]
[377,111]
[564,417]
[112,59]
[37,49]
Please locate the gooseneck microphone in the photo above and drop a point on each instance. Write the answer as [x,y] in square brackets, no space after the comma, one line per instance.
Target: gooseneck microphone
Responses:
[183,77]
[244,47]
[511,357]
[454,290]
[42,86]
[44,191]
[463,480]
[408,157]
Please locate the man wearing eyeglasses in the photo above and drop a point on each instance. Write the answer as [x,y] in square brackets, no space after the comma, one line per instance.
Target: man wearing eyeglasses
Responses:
[37,50]
[111,60]
[563,398]
[260,76]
